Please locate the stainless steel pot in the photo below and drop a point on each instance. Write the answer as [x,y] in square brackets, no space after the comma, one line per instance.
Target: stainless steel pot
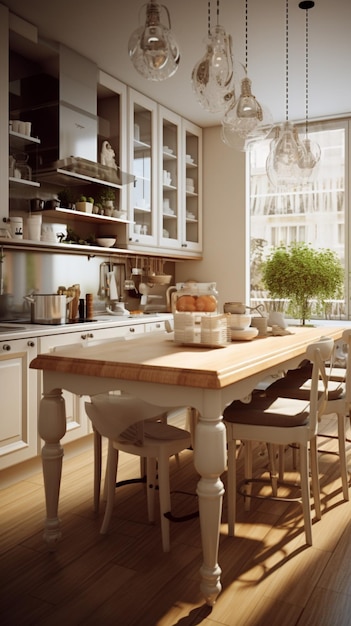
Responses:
[48,308]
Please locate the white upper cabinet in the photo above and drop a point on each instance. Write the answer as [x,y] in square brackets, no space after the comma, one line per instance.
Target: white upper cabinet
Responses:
[166,201]
[143,202]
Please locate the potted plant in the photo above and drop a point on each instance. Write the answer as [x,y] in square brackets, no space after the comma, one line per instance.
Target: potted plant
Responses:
[303,275]
[108,197]
[85,204]
[66,199]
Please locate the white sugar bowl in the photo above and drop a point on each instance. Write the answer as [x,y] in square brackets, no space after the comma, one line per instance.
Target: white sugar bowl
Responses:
[239,321]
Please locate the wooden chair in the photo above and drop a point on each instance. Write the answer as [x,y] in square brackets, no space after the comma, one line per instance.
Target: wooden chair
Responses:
[297,384]
[138,428]
[281,421]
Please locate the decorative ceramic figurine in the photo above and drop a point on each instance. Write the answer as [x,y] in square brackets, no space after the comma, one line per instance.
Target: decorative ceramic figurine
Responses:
[108,155]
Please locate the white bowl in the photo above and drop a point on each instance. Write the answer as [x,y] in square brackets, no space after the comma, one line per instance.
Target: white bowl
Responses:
[105,242]
[244,335]
[239,321]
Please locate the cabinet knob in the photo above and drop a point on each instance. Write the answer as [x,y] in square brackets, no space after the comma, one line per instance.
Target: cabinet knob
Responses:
[6,347]
[30,344]
[87,336]
[132,330]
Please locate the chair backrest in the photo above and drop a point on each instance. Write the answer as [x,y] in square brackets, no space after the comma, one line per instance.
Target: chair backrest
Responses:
[318,352]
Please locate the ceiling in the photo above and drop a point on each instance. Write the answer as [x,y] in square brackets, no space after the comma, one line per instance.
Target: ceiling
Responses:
[100,31]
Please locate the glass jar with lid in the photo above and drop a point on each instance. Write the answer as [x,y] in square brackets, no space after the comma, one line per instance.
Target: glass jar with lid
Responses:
[21,167]
[193,297]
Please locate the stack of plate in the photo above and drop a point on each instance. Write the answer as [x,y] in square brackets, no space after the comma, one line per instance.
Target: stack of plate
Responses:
[189,183]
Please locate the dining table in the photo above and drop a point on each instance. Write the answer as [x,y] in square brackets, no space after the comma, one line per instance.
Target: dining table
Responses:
[157,369]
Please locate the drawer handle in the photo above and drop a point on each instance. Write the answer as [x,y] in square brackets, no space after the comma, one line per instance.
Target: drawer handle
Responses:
[6,347]
[87,336]
[132,330]
[30,344]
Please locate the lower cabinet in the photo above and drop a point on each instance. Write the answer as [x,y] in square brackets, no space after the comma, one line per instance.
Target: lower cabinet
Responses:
[21,389]
[19,394]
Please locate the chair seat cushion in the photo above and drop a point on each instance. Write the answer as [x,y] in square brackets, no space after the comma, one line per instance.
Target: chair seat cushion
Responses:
[268,411]
[297,384]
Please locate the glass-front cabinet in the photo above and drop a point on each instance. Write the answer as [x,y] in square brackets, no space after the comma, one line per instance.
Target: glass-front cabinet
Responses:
[165,159]
[170,179]
[143,165]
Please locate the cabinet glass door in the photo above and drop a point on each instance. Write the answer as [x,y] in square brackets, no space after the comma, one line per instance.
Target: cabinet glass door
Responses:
[170,178]
[192,234]
[143,193]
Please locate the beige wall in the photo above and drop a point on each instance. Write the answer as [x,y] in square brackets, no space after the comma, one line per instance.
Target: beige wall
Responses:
[225,250]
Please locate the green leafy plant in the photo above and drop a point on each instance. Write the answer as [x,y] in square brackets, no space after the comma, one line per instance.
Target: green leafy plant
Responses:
[301,274]
[107,194]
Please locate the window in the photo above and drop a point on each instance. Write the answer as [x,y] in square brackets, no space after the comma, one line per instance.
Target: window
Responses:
[316,213]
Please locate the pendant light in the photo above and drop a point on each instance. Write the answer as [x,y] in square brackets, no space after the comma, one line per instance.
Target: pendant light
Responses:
[282,163]
[152,48]
[213,76]
[245,120]
[311,154]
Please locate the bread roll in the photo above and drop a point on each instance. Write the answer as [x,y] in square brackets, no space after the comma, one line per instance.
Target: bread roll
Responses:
[186,303]
[207,304]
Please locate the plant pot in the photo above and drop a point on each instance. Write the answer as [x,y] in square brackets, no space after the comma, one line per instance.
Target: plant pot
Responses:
[84,207]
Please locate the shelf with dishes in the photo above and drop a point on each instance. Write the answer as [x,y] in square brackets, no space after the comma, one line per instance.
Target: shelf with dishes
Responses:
[15,182]
[89,217]
[18,140]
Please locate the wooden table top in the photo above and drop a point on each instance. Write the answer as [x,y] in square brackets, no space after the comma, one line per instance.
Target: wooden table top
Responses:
[156,358]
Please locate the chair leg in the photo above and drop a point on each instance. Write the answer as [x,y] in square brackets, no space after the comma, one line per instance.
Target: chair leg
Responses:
[342,456]
[150,487]
[305,490]
[231,486]
[111,471]
[248,472]
[97,469]
[272,468]
[165,499]
[315,478]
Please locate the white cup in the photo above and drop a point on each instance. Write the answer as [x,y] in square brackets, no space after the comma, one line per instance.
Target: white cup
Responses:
[16,227]
[15,126]
[28,128]
[261,324]
[22,128]
[137,229]
[34,227]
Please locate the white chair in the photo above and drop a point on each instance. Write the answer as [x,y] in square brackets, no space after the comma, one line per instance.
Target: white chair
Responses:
[131,426]
[281,421]
[297,384]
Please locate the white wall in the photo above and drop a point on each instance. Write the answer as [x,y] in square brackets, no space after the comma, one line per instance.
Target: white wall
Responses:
[225,223]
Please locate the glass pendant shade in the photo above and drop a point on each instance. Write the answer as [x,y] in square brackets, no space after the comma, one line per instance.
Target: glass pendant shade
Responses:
[213,76]
[152,48]
[282,164]
[245,120]
[309,158]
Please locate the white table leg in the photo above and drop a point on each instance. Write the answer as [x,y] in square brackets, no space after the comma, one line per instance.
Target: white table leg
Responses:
[52,427]
[210,462]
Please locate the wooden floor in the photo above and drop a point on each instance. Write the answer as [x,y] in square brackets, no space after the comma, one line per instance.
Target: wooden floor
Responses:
[269,574]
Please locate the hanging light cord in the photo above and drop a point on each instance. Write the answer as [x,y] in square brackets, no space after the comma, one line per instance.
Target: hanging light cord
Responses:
[246,35]
[287,61]
[209,16]
[307,4]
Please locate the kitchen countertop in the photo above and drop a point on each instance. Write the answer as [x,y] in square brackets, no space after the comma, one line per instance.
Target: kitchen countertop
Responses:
[19,330]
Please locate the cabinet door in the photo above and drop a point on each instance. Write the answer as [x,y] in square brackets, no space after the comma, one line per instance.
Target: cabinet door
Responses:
[192,188]
[170,179]
[143,201]
[19,411]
